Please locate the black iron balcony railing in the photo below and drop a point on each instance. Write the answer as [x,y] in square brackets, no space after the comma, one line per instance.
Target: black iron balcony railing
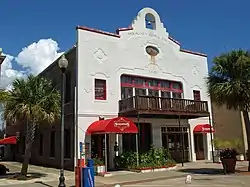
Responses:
[163,105]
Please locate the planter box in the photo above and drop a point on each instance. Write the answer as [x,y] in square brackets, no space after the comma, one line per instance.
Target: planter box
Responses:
[100,169]
[240,157]
[147,170]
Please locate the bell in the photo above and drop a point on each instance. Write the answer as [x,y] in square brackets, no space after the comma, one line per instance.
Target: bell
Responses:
[149,23]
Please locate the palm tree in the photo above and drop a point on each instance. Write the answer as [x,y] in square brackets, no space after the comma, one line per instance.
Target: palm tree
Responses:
[229,84]
[33,100]
[3,95]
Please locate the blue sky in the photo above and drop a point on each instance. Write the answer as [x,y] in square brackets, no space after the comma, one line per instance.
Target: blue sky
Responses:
[211,27]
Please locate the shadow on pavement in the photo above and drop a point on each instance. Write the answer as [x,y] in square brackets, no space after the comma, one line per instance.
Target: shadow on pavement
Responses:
[48,185]
[210,171]
[17,176]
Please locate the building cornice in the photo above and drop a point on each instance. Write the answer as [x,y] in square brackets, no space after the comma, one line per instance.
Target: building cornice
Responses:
[117,35]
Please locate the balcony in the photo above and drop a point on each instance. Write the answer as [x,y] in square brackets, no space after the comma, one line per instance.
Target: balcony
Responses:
[149,106]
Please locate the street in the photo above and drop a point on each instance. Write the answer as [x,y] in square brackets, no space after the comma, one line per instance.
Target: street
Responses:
[201,180]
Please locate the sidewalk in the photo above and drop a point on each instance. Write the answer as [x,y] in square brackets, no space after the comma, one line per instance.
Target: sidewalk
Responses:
[123,178]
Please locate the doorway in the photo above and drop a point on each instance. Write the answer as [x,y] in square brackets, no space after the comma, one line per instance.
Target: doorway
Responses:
[199,146]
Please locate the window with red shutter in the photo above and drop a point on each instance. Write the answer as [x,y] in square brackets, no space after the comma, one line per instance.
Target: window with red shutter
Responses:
[100,89]
[197,95]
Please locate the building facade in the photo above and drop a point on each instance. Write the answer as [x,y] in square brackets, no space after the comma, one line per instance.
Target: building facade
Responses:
[144,66]
[139,73]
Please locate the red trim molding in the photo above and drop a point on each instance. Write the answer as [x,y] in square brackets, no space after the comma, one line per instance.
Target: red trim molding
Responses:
[98,31]
[117,35]
[193,53]
[173,40]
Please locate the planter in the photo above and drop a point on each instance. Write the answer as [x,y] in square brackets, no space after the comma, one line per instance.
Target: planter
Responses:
[240,157]
[158,169]
[100,169]
[228,165]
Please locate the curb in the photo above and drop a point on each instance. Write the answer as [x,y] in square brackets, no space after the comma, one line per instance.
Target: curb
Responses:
[143,181]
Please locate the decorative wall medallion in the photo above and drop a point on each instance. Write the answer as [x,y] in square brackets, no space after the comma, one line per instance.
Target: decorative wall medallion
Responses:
[87,90]
[100,55]
[152,52]
[195,70]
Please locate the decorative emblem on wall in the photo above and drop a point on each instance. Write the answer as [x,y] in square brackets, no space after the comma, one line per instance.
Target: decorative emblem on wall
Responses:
[100,55]
[122,124]
[152,51]
[195,70]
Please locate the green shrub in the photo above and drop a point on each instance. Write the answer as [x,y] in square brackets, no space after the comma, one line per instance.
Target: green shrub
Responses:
[155,157]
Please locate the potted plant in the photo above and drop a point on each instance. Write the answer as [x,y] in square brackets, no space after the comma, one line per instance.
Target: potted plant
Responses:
[99,165]
[228,159]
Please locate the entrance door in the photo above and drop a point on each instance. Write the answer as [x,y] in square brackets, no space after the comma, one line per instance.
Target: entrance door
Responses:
[199,146]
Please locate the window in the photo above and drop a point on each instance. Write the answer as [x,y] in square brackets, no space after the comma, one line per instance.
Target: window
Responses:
[154,93]
[150,21]
[100,89]
[126,92]
[176,85]
[197,95]
[52,143]
[41,145]
[165,94]
[177,95]
[68,87]
[67,143]
[140,92]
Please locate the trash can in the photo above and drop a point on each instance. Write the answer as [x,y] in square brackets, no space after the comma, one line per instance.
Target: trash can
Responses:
[88,178]
[90,163]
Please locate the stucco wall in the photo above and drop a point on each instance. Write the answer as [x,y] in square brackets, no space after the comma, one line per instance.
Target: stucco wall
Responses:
[108,57]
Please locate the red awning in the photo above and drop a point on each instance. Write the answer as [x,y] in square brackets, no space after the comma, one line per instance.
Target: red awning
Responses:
[203,128]
[9,140]
[117,125]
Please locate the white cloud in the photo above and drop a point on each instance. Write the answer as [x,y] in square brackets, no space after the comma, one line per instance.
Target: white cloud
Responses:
[37,56]
[8,74]
[32,59]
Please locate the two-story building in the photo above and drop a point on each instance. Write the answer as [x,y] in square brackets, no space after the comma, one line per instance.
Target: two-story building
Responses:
[138,77]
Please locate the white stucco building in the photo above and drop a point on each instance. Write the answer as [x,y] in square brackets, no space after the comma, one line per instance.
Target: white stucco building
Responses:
[140,80]
[144,61]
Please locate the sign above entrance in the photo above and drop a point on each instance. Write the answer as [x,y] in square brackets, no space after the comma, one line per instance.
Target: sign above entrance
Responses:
[122,124]
[118,125]
[203,128]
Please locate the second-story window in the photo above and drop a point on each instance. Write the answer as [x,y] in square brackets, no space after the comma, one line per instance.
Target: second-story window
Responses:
[197,95]
[100,89]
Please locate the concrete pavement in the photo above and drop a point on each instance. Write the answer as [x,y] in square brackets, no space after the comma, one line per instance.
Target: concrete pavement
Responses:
[49,176]
[199,181]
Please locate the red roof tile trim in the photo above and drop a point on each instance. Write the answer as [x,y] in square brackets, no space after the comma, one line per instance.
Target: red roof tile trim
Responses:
[173,40]
[98,31]
[193,53]
[130,28]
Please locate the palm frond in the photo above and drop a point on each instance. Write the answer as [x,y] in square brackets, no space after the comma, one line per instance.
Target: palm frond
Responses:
[229,80]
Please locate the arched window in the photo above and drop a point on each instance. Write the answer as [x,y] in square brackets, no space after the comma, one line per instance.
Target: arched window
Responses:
[150,21]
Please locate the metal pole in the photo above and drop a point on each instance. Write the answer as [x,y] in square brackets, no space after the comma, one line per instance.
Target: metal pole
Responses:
[211,137]
[180,139]
[137,150]
[138,136]
[62,178]
[106,155]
